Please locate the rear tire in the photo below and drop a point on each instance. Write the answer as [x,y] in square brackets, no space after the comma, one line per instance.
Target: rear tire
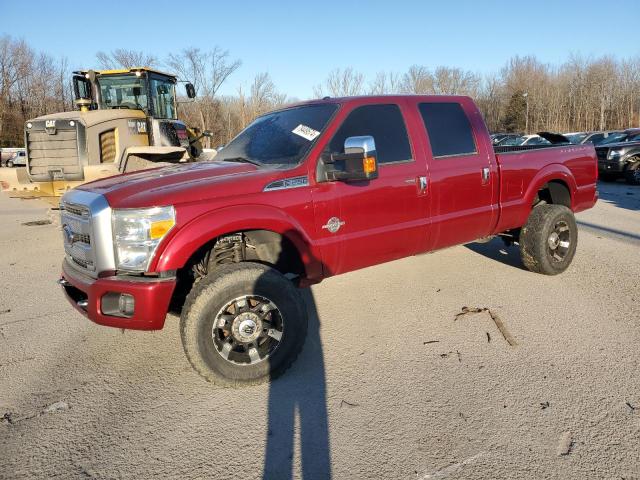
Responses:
[632,174]
[548,240]
[243,324]
[9,164]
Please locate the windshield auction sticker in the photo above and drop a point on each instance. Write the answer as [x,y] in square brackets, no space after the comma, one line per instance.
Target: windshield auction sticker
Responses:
[305,132]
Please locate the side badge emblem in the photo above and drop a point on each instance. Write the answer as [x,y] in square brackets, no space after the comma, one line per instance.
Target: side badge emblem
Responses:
[333,224]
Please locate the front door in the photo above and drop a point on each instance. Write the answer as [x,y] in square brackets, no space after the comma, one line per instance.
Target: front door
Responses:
[368,222]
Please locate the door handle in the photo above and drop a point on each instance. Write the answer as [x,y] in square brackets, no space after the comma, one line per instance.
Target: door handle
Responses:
[485,175]
[421,183]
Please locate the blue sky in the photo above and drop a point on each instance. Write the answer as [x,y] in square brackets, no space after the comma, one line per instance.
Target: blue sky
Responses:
[298,43]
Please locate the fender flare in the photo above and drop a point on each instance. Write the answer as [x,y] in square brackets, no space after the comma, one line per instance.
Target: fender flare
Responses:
[554,171]
[175,251]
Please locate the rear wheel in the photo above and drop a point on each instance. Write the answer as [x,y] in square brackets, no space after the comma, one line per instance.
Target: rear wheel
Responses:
[243,324]
[632,174]
[9,164]
[548,240]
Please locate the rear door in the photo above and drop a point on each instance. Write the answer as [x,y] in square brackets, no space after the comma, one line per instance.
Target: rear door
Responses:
[365,223]
[463,174]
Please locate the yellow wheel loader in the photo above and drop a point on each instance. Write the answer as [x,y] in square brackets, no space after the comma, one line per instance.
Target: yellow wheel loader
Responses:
[126,120]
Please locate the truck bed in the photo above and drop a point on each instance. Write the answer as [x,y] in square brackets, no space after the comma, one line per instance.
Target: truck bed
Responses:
[523,171]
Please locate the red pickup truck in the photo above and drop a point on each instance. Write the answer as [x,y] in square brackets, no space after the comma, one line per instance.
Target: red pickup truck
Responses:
[313,190]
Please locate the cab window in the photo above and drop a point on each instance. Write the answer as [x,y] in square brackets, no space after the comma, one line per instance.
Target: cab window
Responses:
[384,123]
[163,98]
[123,91]
[449,129]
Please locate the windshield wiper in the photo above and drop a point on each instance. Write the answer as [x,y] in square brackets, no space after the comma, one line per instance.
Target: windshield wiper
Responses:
[242,160]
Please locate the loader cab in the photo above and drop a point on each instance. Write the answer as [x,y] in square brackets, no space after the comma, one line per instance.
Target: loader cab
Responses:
[144,89]
[151,91]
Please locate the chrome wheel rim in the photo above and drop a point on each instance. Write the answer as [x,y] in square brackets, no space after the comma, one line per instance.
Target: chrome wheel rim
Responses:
[247,330]
[559,241]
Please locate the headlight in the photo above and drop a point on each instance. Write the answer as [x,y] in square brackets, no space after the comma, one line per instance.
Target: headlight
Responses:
[137,233]
[615,153]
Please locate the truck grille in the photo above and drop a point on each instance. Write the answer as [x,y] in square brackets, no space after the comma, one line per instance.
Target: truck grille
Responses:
[55,150]
[76,233]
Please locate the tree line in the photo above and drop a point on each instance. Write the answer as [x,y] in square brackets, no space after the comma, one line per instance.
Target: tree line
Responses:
[525,96]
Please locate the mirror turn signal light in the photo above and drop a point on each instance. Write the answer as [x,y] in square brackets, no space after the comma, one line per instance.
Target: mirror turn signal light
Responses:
[369,165]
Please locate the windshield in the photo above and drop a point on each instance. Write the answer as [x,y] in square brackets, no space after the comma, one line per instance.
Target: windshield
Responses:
[511,141]
[615,138]
[576,138]
[123,91]
[279,138]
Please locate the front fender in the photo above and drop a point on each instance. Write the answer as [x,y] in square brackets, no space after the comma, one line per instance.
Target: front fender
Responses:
[179,248]
[631,154]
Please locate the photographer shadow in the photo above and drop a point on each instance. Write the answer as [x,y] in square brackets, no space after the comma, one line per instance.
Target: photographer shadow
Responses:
[298,403]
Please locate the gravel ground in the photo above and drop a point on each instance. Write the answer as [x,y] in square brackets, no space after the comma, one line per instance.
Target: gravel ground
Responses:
[390,385]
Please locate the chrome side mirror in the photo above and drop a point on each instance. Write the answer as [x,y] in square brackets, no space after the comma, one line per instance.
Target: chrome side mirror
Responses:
[358,162]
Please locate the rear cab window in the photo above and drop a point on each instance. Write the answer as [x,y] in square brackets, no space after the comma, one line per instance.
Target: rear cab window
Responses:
[384,122]
[448,128]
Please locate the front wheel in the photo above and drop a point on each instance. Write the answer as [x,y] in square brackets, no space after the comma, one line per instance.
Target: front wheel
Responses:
[548,240]
[632,174]
[243,324]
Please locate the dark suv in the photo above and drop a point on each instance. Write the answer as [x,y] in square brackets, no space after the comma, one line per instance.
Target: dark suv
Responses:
[619,156]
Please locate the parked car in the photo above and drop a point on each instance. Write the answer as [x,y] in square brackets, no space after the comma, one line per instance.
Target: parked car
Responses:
[580,138]
[8,153]
[523,140]
[496,138]
[314,190]
[619,156]
[17,159]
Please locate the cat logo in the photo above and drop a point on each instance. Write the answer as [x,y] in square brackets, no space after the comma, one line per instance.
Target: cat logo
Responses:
[137,127]
[50,127]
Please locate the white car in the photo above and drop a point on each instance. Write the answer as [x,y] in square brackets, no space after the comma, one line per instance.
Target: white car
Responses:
[18,159]
[524,140]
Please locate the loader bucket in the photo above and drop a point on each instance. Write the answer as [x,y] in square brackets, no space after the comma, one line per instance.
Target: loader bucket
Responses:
[16,183]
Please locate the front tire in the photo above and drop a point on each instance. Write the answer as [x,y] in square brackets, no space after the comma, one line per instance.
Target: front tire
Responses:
[632,174]
[243,324]
[548,240]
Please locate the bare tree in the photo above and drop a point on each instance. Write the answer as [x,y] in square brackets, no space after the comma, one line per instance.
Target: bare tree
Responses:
[579,94]
[384,83]
[455,81]
[341,83]
[418,79]
[123,58]
[207,70]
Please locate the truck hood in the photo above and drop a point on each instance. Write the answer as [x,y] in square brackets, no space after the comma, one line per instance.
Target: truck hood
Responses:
[93,117]
[618,145]
[181,183]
